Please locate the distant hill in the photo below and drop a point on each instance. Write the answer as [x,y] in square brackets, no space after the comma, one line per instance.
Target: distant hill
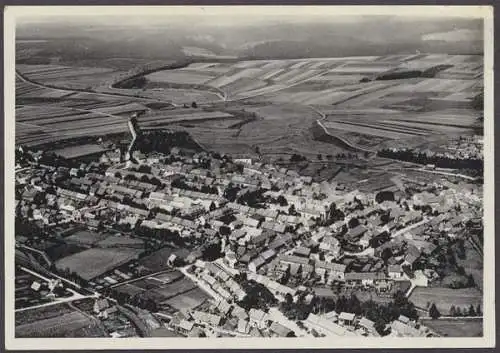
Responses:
[365,36]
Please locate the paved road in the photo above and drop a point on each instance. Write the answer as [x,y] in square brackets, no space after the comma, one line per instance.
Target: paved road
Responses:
[139,278]
[41,253]
[200,283]
[276,315]
[75,296]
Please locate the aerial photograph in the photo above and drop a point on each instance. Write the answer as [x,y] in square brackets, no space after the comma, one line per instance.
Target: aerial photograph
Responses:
[206,173]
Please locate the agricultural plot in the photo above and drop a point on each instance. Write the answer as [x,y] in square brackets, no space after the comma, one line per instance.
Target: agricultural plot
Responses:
[36,314]
[157,261]
[444,298]
[180,76]
[168,291]
[188,300]
[85,237]
[44,122]
[79,151]
[59,251]
[457,327]
[397,109]
[67,76]
[116,241]
[102,260]
[365,129]
[72,324]
[180,116]
[170,288]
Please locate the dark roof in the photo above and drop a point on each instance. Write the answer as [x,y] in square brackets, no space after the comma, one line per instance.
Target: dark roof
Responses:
[359,276]
[357,231]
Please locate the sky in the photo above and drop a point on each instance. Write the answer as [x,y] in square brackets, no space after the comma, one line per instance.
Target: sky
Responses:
[225,15]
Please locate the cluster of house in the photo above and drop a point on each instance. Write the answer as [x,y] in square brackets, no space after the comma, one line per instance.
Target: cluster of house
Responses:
[227,318]
[349,324]
[461,148]
[466,147]
[299,232]
[257,235]
[219,280]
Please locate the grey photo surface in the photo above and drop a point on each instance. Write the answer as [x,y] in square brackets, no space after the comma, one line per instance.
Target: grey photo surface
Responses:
[217,174]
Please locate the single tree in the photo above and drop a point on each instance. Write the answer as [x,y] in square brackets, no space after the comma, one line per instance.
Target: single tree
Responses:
[478,310]
[470,281]
[434,312]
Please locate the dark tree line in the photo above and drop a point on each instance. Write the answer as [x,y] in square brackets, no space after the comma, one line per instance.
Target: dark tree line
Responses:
[438,161]
[163,234]
[257,297]
[456,311]
[180,183]
[164,141]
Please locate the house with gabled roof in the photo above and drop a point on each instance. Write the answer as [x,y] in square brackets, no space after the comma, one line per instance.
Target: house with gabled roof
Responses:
[394,271]
[346,319]
[367,326]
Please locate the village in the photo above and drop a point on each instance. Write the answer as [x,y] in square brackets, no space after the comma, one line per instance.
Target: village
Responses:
[202,245]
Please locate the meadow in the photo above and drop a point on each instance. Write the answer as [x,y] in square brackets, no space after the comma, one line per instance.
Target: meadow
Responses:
[444,298]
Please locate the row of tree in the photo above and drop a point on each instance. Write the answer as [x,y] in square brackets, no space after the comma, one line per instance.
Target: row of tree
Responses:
[144,179]
[163,141]
[456,311]
[410,155]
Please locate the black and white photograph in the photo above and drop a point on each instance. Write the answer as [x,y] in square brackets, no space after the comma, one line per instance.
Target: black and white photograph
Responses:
[249,176]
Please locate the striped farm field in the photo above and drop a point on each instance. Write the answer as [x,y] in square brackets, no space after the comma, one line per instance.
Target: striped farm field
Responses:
[162,119]
[373,130]
[179,77]
[75,324]
[351,96]
[68,77]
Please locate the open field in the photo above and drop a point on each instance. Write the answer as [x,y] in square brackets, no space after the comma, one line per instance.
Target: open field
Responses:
[456,327]
[117,241]
[72,324]
[85,237]
[188,300]
[157,261]
[102,260]
[444,298]
[62,250]
[42,313]
[473,264]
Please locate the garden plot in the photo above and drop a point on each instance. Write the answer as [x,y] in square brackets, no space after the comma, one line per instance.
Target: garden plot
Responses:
[102,260]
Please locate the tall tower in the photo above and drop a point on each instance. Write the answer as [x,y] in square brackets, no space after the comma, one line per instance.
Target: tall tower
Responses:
[134,131]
